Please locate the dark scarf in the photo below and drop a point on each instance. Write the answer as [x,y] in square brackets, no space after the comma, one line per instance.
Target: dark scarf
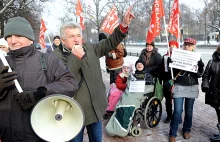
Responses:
[140,75]
[148,56]
[24,51]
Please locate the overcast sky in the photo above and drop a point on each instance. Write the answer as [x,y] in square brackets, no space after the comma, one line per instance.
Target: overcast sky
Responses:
[197,4]
[55,11]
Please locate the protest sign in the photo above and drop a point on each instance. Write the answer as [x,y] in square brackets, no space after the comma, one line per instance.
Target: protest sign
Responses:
[137,86]
[185,60]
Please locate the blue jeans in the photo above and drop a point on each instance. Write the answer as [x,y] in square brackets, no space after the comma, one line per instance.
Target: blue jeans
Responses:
[94,131]
[177,113]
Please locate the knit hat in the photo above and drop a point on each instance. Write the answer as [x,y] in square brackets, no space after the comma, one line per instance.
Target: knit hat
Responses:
[102,36]
[3,42]
[56,37]
[190,41]
[152,43]
[140,61]
[173,42]
[19,26]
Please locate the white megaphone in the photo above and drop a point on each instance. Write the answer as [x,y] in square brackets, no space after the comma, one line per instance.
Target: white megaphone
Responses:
[57,118]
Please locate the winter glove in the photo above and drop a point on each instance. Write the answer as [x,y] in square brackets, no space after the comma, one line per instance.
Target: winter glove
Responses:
[169,60]
[28,99]
[200,65]
[7,78]
[107,70]
[205,89]
[110,55]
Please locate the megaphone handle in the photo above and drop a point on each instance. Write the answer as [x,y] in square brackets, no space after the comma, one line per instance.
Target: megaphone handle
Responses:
[5,63]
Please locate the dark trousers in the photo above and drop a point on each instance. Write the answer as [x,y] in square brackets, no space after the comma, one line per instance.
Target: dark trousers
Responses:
[168,102]
[113,74]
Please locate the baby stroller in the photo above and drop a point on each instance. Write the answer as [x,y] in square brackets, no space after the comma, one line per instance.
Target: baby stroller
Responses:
[135,107]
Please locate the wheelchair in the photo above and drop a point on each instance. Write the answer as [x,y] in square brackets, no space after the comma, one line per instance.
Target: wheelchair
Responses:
[150,111]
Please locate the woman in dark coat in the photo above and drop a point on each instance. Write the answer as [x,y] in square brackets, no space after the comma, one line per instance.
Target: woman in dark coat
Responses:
[211,86]
[151,58]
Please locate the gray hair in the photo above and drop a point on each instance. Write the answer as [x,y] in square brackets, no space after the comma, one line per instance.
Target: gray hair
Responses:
[71,25]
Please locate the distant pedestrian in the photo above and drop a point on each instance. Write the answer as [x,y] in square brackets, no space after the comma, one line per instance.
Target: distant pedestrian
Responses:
[56,44]
[211,87]
[208,39]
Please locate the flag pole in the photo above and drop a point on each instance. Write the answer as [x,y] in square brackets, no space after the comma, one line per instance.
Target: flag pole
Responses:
[49,41]
[5,63]
[178,17]
[168,49]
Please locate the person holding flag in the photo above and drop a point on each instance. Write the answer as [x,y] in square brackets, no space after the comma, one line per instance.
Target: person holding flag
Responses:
[165,75]
[83,61]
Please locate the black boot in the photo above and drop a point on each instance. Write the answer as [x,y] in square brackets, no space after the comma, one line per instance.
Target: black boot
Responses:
[216,137]
[167,120]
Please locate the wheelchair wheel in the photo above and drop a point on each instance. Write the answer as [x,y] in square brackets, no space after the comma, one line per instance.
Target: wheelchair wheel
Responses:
[153,112]
[136,131]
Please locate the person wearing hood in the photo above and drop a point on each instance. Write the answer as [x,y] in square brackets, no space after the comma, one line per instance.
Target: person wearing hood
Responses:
[36,83]
[4,47]
[151,58]
[166,76]
[118,88]
[211,87]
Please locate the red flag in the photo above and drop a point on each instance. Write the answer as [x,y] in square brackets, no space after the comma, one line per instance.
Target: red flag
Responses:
[79,13]
[154,28]
[110,22]
[42,32]
[173,26]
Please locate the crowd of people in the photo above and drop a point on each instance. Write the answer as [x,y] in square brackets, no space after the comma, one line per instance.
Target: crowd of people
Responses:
[73,69]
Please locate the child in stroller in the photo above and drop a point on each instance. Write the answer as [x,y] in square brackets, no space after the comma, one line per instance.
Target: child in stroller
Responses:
[117,88]
[123,121]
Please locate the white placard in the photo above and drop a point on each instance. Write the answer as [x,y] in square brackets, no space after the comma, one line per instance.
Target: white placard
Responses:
[185,60]
[137,86]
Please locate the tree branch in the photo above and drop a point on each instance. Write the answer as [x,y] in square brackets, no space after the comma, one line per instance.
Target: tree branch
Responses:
[7,5]
[215,27]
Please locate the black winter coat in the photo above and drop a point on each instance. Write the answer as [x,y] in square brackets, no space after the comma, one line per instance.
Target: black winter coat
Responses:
[14,121]
[211,80]
[155,61]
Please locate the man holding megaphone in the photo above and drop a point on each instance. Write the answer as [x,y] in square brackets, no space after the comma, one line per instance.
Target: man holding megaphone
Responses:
[38,74]
[83,61]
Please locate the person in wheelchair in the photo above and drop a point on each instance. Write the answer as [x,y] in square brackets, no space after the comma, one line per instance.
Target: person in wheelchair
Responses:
[117,88]
[128,111]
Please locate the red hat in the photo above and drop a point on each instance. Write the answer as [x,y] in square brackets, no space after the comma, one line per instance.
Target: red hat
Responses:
[190,40]
[173,42]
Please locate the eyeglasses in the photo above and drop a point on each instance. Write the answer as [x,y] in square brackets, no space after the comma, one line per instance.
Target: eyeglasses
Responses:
[187,44]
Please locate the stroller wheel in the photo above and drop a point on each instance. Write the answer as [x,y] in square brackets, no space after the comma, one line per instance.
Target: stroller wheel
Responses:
[136,131]
[153,112]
